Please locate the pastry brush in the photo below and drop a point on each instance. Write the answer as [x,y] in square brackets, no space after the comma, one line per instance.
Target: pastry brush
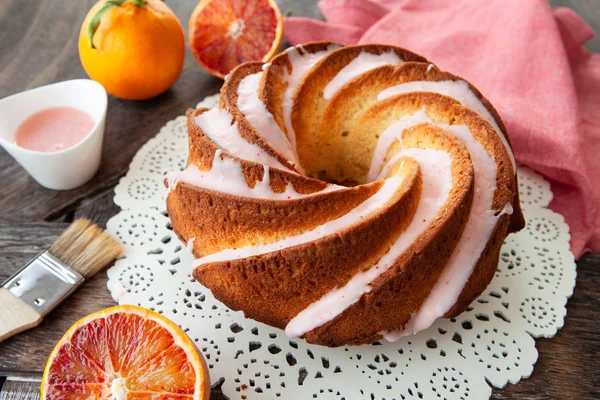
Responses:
[25,298]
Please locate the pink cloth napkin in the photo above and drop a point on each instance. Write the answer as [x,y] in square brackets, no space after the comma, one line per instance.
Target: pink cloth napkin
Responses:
[524,56]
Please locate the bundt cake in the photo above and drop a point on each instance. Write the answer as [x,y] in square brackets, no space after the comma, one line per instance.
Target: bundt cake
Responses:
[346,194]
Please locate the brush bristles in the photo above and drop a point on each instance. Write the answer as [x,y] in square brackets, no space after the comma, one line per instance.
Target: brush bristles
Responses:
[85,248]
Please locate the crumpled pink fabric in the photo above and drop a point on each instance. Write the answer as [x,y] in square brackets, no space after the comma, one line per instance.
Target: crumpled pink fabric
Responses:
[524,56]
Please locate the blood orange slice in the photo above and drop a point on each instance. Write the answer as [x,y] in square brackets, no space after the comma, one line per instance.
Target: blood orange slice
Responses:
[125,353]
[226,33]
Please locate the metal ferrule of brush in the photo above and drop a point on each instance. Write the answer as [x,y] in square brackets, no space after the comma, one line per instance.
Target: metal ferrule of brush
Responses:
[44,282]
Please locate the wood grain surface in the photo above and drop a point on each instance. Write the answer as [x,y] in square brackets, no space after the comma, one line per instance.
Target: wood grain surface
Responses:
[38,45]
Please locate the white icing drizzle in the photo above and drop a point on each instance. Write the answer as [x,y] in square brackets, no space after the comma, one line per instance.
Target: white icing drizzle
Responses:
[477,232]
[479,227]
[436,167]
[458,90]
[216,123]
[430,67]
[369,207]
[226,176]
[364,62]
[260,118]
[507,210]
[392,134]
[190,245]
[301,64]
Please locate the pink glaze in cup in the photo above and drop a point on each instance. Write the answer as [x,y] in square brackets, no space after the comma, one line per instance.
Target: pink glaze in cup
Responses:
[53,129]
[79,159]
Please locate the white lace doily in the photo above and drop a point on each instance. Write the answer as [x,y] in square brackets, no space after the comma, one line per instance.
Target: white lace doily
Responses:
[492,342]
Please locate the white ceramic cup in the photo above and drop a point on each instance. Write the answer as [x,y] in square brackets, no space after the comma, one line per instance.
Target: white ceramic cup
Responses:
[68,168]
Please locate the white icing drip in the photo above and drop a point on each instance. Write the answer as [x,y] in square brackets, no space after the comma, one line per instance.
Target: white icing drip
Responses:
[508,210]
[430,67]
[260,118]
[216,124]
[301,64]
[479,227]
[226,176]
[436,167]
[361,64]
[190,245]
[394,335]
[458,90]
[364,210]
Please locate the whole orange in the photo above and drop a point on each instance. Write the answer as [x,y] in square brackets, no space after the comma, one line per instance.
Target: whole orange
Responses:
[138,48]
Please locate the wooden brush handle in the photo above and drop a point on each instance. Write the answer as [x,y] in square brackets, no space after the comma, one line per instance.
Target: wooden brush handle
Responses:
[15,315]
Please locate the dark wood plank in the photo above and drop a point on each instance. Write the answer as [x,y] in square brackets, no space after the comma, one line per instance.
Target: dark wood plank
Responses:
[98,209]
[37,46]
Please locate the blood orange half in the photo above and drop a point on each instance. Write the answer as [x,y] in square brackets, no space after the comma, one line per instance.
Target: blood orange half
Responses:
[226,33]
[125,353]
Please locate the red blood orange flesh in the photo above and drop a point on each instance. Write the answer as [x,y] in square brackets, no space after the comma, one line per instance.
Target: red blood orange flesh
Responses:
[227,33]
[125,353]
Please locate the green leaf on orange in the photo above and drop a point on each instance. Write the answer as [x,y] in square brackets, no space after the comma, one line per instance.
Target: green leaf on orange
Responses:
[95,22]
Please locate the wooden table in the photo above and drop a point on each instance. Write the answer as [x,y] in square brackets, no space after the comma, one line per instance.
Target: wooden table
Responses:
[38,45]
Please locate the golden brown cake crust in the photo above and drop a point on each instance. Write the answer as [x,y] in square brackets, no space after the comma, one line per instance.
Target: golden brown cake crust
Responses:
[274,287]
[309,102]
[217,221]
[437,107]
[399,292]
[335,141]
[273,84]
[228,101]
[360,94]
[202,151]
